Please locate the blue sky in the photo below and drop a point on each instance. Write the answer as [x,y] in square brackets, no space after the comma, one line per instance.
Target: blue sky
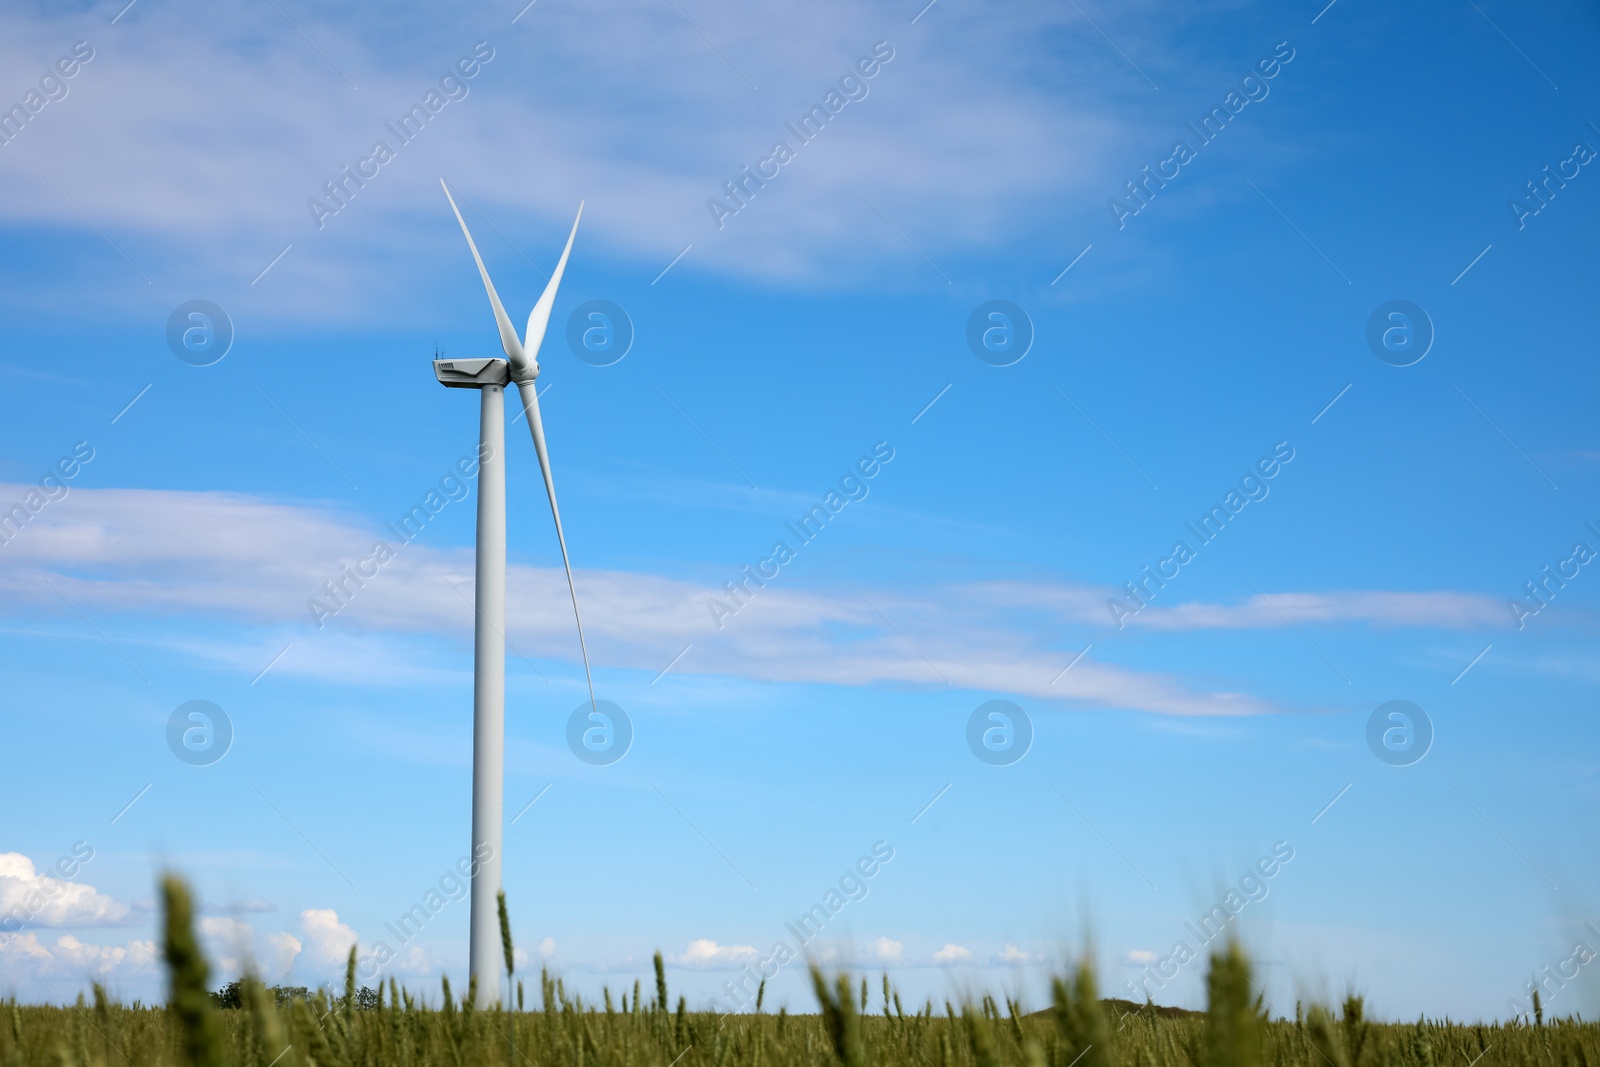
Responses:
[1221,326]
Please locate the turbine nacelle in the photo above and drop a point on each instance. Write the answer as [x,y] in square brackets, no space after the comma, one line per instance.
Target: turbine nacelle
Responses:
[471,373]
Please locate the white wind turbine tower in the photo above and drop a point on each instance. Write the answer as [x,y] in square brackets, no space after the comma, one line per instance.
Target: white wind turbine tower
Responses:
[489,377]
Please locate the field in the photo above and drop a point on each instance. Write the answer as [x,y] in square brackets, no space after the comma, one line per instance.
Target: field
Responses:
[855,1025]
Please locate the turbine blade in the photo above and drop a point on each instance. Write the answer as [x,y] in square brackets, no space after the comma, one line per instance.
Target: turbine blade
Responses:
[539,317]
[530,407]
[508,335]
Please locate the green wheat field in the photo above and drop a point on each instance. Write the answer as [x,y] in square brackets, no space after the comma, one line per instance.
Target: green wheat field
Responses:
[855,1025]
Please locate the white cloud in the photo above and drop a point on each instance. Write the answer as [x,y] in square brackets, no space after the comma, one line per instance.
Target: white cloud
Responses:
[327,940]
[1139,957]
[412,961]
[19,948]
[25,958]
[259,562]
[228,172]
[229,943]
[1456,611]
[226,930]
[705,954]
[28,898]
[547,948]
[234,946]
[883,950]
[281,950]
[415,961]
[137,957]
[952,954]
[1012,956]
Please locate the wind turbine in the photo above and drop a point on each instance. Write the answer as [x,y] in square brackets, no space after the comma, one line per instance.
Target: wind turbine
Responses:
[489,377]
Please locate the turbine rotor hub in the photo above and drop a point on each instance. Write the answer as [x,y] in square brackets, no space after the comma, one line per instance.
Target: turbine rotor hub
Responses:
[527,374]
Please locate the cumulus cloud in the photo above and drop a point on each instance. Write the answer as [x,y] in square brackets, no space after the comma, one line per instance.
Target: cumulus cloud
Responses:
[25,957]
[229,942]
[883,950]
[235,946]
[416,961]
[281,950]
[1012,956]
[952,954]
[29,898]
[137,957]
[705,954]
[232,944]
[327,940]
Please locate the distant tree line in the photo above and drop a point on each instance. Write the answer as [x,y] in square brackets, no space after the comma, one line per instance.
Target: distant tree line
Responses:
[232,995]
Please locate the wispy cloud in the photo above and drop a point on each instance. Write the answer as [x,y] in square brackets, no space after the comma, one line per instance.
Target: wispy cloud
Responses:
[260,563]
[1439,608]
[212,185]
